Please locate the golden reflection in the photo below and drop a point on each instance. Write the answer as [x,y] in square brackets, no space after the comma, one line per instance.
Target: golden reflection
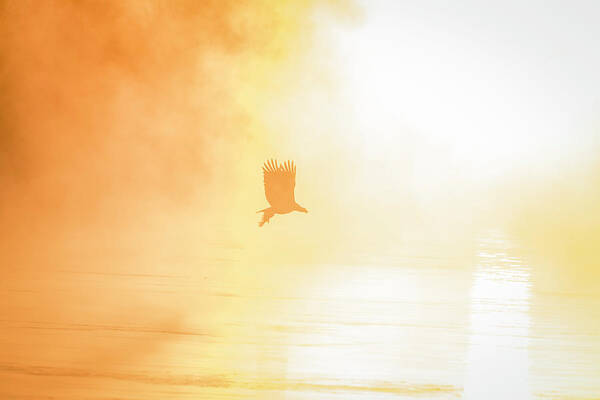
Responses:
[498,356]
[375,328]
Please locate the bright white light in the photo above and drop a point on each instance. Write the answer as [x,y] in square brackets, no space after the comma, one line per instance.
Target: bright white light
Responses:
[418,81]
[498,356]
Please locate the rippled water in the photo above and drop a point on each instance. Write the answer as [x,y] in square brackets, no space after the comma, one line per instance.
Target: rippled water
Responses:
[409,326]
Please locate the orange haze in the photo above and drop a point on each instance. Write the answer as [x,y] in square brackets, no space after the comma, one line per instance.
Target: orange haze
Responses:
[130,134]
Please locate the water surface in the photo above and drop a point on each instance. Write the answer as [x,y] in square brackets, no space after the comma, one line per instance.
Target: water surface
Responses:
[415,324]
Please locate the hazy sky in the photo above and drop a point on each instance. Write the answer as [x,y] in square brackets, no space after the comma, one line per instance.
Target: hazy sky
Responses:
[498,83]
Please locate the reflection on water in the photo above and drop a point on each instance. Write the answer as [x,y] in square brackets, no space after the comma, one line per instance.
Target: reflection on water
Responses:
[420,326]
[498,358]
[376,329]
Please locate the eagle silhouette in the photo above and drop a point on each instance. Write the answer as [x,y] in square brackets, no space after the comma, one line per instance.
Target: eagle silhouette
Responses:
[280,181]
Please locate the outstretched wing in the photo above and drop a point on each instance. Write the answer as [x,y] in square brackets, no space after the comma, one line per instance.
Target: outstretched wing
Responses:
[280,181]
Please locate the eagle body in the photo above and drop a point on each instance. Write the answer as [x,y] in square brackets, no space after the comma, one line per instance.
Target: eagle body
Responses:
[279,181]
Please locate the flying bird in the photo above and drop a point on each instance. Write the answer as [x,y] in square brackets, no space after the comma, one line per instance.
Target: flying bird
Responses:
[280,181]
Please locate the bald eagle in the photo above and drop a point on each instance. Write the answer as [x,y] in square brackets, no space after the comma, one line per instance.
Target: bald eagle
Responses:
[280,180]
